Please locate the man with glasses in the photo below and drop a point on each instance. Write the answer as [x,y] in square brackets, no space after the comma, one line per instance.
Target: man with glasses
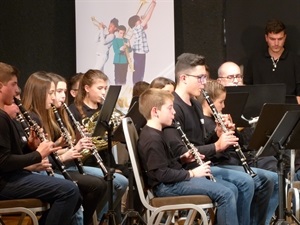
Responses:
[229,74]
[190,79]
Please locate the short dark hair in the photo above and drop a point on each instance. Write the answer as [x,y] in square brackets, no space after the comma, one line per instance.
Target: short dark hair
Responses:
[115,22]
[188,61]
[132,20]
[122,27]
[139,87]
[7,72]
[274,26]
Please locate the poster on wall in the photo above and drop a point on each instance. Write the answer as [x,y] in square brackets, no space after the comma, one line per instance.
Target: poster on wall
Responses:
[129,40]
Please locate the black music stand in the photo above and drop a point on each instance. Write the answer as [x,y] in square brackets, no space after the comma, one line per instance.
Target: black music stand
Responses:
[131,216]
[277,144]
[269,117]
[259,94]
[234,105]
[103,126]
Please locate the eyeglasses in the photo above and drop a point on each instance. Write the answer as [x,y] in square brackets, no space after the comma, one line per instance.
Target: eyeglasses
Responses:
[233,76]
[200,78]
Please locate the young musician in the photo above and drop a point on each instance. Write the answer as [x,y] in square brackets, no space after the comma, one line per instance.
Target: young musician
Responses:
[16,181]
[228,158]
[92,91]
[190,79]
[163,83]
[74,84]
[164,170]
[39,90]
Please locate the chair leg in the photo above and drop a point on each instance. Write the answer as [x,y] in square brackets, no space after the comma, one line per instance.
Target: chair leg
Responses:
[21,219]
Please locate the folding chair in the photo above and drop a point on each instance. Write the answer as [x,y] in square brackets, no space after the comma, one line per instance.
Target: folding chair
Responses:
[160,205]
[22,207]
[292,192]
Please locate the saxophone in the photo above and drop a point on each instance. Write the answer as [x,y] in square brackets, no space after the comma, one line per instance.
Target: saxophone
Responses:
[129,59]
[42,137]
[68,138]
[191,147]
[237,147]
[94,150]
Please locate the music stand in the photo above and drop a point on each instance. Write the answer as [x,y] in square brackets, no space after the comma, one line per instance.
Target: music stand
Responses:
[101,127]
[269,117]
[259,94]
[234,105]
[276,145]
[131,216]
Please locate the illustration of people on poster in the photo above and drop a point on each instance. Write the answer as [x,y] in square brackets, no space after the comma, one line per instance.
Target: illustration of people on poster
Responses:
[130,41]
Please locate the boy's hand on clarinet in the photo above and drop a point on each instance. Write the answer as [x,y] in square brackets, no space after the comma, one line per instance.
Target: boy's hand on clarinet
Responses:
[202,171]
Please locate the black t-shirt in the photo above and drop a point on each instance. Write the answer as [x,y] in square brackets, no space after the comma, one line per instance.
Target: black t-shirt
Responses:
[191,120]
[158,161]
[12,158]
[106,155]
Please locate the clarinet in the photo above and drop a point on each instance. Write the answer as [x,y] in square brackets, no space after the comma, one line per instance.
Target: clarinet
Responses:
[237,147]
[191,147]
[20,118]
[82,134]
[66,135]
[42,137]
[26,127]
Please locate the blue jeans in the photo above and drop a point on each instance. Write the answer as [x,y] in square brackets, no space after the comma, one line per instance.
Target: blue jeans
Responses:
[265,200]
[63,195]
[219,192]
[78,217]
[120,184]
[245,187]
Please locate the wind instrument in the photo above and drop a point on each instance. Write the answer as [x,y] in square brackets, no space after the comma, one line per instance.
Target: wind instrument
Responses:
[191,147]
[26,127]
[20,118]
[94,150]
[42,138]
[237,147]
[68,138]
[129,59]
[96,22]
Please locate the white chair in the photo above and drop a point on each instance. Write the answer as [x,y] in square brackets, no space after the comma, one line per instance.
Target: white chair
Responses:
[22,207]
[160,205]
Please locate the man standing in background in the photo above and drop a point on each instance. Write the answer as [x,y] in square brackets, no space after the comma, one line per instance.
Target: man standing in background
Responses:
[277,64]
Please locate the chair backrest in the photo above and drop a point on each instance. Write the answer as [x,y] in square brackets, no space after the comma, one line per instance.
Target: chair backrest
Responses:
[131,137]
[157,205]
